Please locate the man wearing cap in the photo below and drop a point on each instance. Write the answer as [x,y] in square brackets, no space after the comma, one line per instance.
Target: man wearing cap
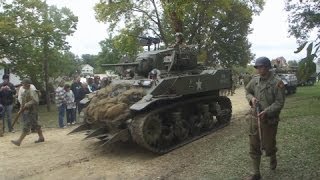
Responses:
[266,96]
[7,92]
[29,106]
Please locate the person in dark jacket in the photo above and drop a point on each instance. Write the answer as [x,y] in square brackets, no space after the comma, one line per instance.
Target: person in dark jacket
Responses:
[75,87]
[82,94]
[7,92]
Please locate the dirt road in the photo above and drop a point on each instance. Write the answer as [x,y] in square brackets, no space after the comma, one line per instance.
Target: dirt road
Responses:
[69,157]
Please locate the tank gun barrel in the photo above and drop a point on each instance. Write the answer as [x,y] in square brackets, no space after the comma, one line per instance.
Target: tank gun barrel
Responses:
[120,64]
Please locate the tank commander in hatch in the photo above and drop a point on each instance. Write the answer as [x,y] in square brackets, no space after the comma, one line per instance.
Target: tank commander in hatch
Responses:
[179,41]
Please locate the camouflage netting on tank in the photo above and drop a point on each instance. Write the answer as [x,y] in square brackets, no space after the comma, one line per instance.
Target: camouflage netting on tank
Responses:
[112,103]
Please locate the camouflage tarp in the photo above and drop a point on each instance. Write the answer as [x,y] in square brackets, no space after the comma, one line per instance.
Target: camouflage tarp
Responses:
[112,103]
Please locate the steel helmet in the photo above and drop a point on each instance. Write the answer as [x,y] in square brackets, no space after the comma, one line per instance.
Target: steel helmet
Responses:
[26,81]
[263,61]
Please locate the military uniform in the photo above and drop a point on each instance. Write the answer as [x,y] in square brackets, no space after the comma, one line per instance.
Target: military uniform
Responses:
[30,101]
[246,79]
[271,96]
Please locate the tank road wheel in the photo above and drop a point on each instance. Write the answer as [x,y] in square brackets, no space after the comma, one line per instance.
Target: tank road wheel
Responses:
[181,130]
[208,117]
[224,110]
[152,129]
[151,132]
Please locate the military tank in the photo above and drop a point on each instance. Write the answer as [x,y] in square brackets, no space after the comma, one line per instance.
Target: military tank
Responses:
[286,73]
[164,100]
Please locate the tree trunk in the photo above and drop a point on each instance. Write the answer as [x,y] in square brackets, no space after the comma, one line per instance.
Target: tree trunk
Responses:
[45,69]
[45,59]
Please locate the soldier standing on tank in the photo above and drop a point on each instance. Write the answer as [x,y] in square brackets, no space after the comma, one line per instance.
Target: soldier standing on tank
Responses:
[179,41]
[266,90]
[29,106]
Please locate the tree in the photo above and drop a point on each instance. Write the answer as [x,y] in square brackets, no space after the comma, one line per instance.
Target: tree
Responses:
[304,18]
[292,63]
[305,69]
[89,59]
[33,35]
[146,14]
[122,46]
[208,24]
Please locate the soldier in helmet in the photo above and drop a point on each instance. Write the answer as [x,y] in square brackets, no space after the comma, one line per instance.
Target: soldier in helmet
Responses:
[266,91]
[29,105]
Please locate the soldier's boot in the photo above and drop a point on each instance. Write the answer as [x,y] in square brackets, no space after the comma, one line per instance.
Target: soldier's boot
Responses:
[273,162]
[41,138]
[256,169]
[18,142]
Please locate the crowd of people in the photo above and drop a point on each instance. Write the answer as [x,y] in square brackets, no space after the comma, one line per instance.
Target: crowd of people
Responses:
[68,98]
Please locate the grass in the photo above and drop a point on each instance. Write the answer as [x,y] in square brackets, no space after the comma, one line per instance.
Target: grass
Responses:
[46,119]
[297,141]
[305,102]
[298,137]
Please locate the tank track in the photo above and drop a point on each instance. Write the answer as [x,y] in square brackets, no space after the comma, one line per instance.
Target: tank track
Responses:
[141,124]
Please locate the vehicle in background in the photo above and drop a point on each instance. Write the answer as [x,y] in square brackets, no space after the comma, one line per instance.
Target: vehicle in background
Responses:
[290,82]
[310,81]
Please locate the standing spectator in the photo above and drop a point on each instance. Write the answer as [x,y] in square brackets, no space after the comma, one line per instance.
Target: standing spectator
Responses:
[75,87]
[71,105]
[91,86]
[96,83]
[82,94]
[1,125]
[29,105]
[105,82]
[61,102]
[7,91]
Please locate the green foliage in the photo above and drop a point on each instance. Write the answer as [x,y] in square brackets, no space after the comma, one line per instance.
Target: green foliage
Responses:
[292,63]
[89,59]
[146,15]
[124,45]
[219,28]
[304,18]
[238,70]
[305,69]
[33,33]
[305,102]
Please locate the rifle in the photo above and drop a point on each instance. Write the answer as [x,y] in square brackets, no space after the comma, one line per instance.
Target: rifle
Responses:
[258,110]
[17,117]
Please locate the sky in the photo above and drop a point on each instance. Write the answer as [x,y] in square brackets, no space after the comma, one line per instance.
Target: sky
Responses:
[269,36]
